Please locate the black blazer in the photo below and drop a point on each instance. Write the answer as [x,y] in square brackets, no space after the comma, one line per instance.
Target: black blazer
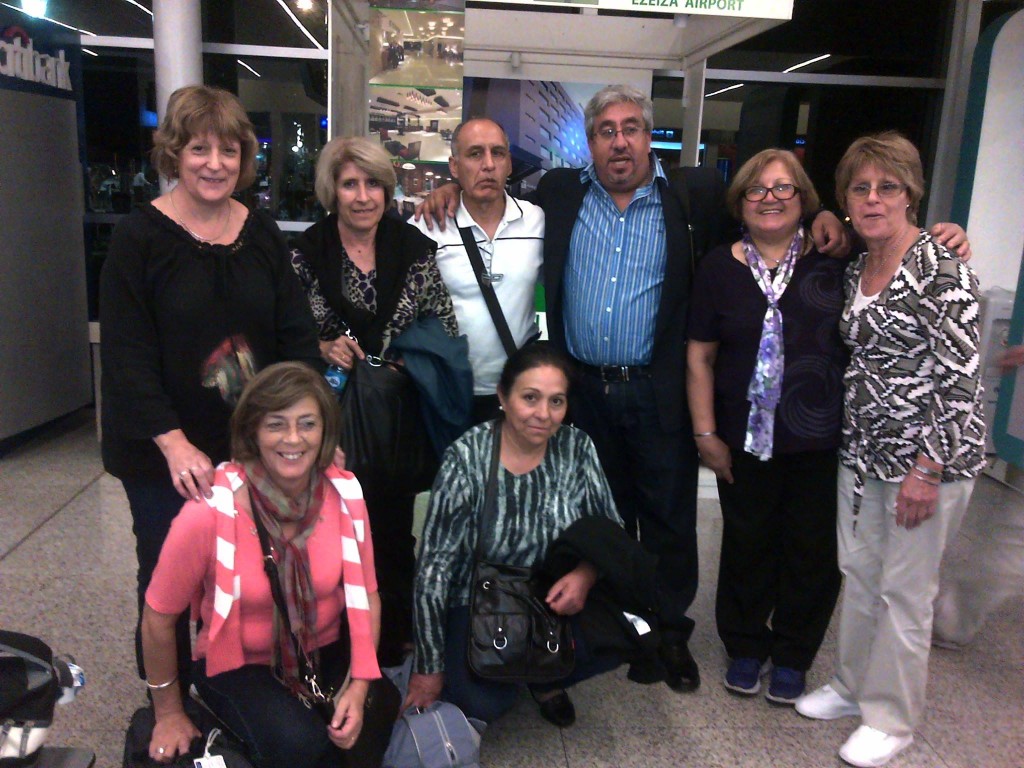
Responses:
[560,193]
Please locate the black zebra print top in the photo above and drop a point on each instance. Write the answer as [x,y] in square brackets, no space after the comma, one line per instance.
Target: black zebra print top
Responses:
[533,509]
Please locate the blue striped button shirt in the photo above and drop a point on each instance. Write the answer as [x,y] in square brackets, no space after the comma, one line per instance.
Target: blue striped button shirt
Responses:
[614,274]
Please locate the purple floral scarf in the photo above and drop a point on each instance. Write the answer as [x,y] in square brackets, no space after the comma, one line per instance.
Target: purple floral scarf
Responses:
[766,384]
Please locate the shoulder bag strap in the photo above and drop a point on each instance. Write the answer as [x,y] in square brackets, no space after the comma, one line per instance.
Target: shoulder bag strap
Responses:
[490,510]
[490,298]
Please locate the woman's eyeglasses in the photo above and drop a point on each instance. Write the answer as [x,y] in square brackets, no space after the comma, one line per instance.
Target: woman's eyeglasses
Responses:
[779,191]
[885,189]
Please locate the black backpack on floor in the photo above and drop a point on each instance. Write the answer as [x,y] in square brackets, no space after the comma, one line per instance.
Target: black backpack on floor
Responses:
[31,681]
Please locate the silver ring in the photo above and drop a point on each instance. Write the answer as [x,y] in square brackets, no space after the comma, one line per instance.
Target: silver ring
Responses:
[183,474]
[160,750]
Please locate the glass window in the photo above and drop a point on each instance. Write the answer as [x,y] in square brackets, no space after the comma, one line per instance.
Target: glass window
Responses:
[103,17]
[120,115]
[264,22]
[816,122]
[899,38]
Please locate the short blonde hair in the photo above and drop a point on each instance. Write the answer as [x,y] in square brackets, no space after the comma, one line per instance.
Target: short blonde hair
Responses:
[368,156]
[196,110]
[277,388]
[750,172]
[890,152]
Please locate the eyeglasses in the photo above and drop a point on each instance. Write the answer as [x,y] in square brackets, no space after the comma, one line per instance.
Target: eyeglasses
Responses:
[758,193]
[629,132]
[885,189]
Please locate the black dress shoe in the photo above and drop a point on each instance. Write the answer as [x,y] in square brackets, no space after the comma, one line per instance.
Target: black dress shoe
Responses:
[558,710]
[681,672]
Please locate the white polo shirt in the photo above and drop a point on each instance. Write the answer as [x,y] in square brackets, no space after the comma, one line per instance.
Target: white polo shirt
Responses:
[518,253]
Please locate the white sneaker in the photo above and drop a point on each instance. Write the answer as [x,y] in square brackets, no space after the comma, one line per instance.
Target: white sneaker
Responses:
[826,704]
[869,747]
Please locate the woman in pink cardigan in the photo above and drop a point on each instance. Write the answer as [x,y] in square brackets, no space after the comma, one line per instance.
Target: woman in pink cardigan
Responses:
[283,436]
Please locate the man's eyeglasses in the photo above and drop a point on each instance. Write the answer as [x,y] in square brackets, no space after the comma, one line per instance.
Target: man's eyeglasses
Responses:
[758,193]
[885,189]
[629,132]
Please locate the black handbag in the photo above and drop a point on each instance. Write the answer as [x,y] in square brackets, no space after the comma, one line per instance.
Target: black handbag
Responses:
[514,636]
[380,710]
[382,432]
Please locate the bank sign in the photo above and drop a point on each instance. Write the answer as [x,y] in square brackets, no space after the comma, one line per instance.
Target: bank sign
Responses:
[751,9]
[38,56]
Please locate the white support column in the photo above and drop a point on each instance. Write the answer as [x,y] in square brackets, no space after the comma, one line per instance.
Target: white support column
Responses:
[177,51]
[177,47]
[964,38]
[693,112]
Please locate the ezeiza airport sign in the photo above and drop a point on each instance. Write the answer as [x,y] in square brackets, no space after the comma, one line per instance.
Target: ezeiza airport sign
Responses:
[754,9]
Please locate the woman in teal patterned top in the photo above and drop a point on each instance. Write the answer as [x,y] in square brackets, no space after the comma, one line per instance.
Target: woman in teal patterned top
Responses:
[549,478]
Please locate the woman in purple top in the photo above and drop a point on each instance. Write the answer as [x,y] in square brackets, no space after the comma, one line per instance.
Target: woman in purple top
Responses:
[765,371]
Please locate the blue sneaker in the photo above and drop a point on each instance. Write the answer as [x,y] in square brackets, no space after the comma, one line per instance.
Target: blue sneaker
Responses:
[744,676]
[786,686]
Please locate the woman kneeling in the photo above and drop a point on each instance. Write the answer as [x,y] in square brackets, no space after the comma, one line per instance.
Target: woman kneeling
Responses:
[283,436]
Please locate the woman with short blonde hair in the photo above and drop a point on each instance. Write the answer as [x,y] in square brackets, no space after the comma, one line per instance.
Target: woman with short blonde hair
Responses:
[368,276]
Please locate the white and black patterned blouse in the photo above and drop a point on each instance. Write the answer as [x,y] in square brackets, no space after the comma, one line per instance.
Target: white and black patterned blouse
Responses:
[533,509]
[913,382]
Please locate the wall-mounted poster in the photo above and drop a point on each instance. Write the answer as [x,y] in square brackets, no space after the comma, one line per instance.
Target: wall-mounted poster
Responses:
[416,80]
[544,120]
[415,124]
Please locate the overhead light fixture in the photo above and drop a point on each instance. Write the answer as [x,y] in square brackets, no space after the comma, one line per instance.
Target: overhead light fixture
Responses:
[304,5]
[730,88]
[91,53]
[35,8]
[47,18]
[809,61]
[242,63]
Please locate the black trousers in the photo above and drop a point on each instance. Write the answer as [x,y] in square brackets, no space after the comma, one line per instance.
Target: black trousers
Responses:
[778,578]
[395,564]
[653,477]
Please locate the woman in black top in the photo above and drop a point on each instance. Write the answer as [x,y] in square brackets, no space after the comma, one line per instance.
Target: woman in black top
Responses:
[196,295]
[765,393]
[374,275]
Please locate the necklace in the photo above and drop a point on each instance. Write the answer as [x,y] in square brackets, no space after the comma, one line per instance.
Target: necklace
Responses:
[200,238]
[877,268]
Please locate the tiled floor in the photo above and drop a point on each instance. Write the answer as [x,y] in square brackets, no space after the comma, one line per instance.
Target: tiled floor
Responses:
[66,574]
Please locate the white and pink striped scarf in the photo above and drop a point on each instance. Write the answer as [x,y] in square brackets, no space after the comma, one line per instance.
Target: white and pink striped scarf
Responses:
[225,631]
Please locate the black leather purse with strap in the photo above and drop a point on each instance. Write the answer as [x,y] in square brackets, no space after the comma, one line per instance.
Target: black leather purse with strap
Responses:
[514,636]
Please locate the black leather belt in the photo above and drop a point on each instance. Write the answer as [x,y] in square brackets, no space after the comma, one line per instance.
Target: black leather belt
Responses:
[607,373]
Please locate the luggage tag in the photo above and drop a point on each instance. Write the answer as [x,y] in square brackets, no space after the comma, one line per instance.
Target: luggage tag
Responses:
[208,760]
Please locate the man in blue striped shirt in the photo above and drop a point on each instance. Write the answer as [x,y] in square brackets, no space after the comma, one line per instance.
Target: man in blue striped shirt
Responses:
[617,267]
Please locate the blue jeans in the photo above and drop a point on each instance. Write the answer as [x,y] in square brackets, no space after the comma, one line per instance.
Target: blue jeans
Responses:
[487,700]
[154,504]
[278,730]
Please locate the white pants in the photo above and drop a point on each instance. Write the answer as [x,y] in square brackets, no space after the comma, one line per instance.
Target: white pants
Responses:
[892,577]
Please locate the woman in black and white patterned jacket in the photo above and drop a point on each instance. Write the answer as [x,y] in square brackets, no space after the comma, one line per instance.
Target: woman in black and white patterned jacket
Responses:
[913,442]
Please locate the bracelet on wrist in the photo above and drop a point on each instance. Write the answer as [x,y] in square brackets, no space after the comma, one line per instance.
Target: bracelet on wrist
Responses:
[926,471]
[160,686]
[703,434]
[926,479]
